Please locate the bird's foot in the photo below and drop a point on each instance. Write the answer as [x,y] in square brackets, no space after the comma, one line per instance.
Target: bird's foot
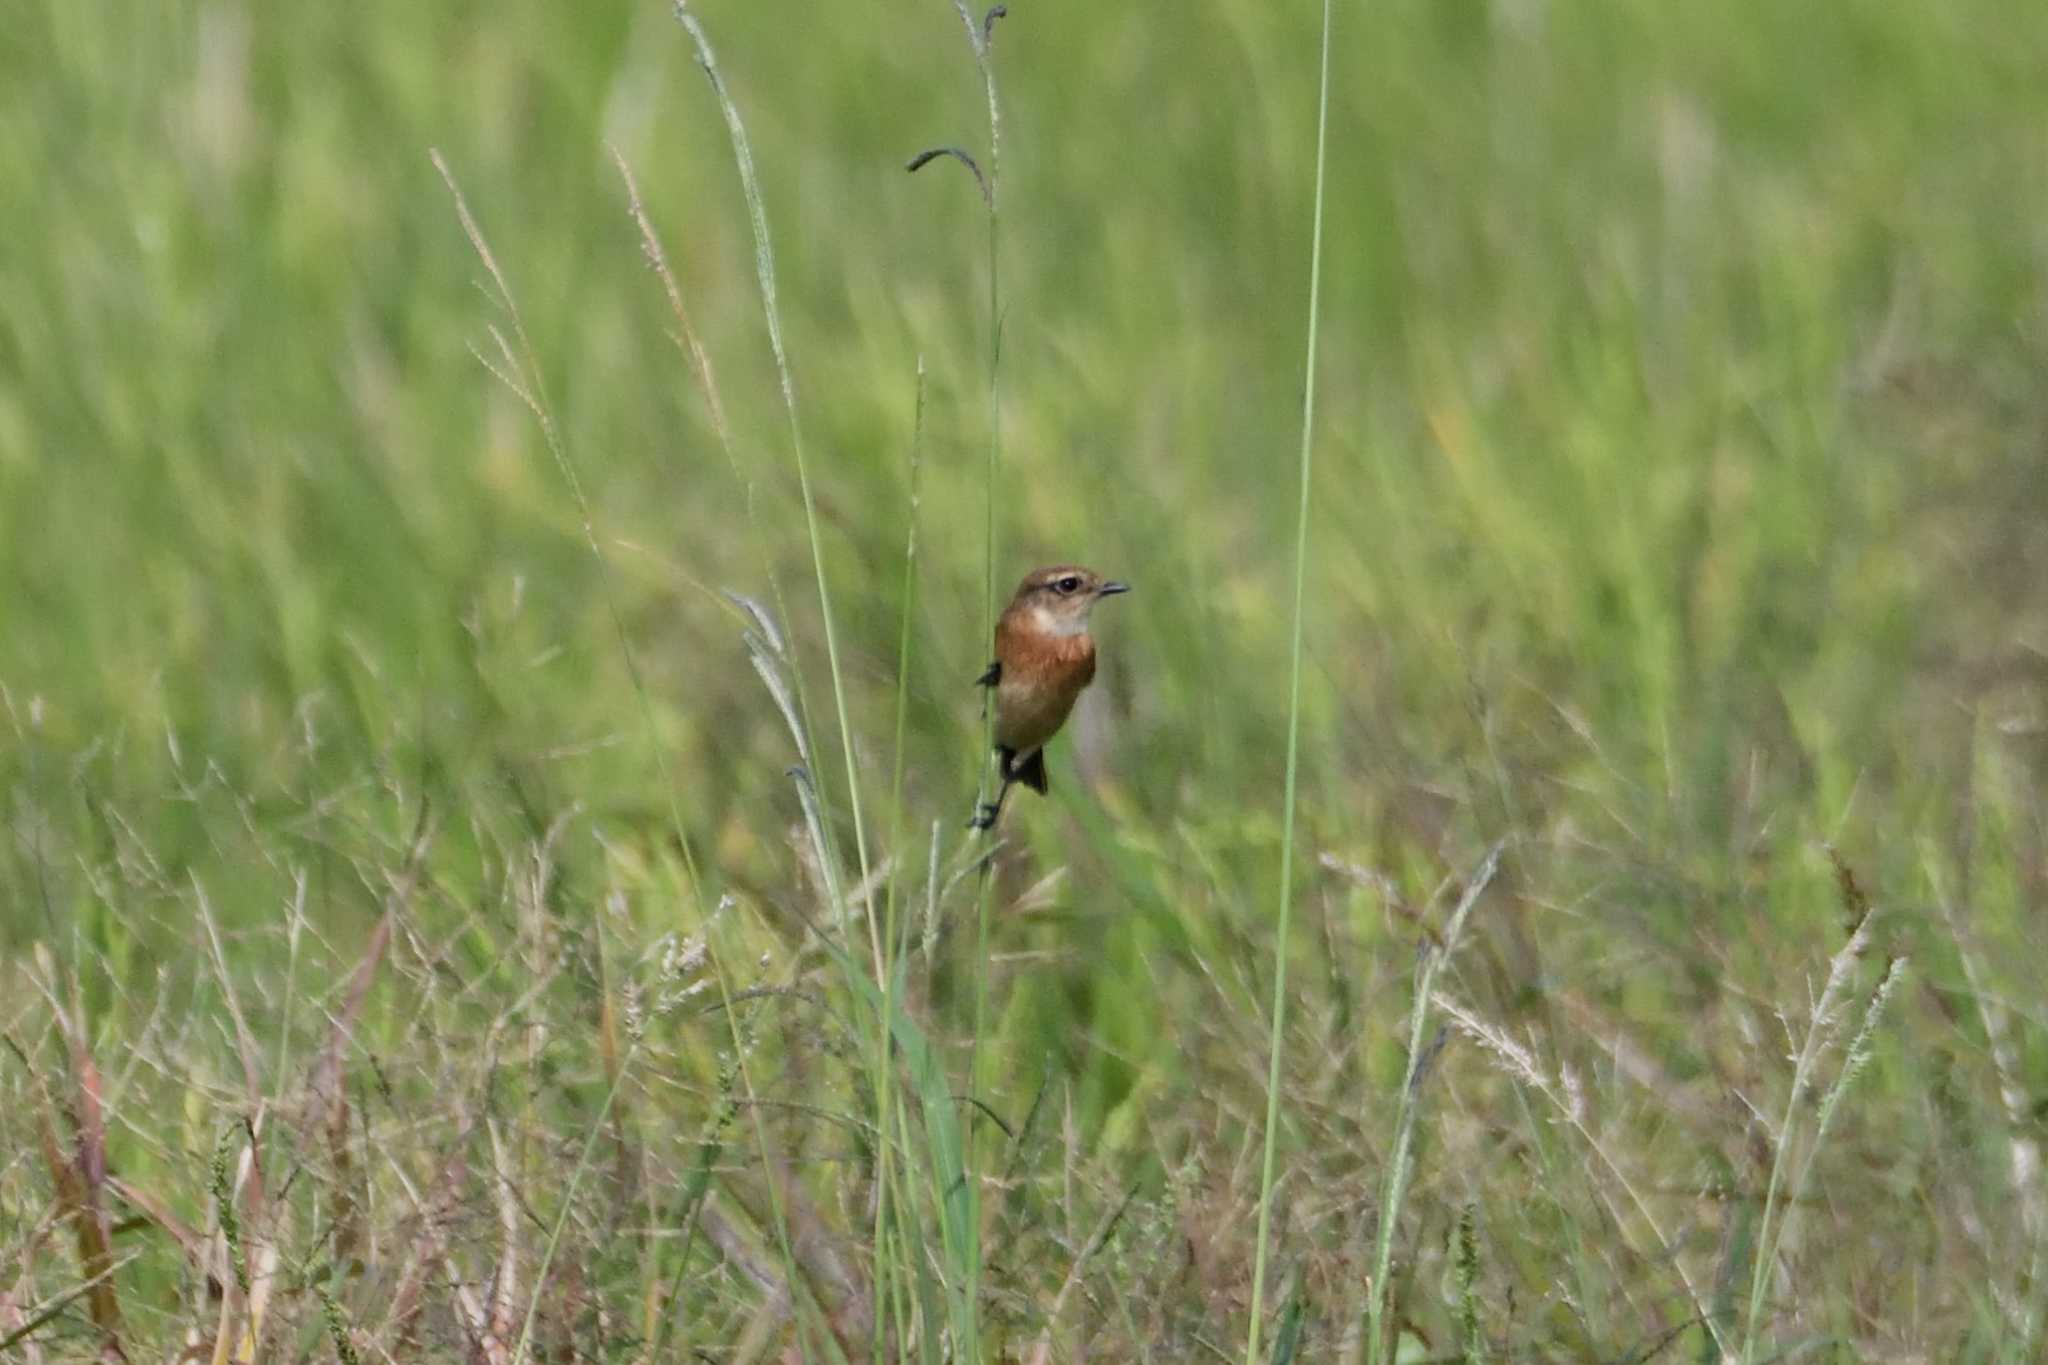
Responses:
[984,816]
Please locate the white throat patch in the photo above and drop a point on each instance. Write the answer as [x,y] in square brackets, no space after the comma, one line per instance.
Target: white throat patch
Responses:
[1056,623]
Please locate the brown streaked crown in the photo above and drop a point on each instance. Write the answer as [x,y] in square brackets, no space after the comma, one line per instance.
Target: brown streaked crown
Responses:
[1066,583]
[1059,599]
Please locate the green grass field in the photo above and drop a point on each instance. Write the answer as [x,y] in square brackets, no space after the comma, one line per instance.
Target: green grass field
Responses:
[415,946]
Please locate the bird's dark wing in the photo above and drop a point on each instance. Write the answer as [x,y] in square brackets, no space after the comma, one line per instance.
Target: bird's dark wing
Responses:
[992,675]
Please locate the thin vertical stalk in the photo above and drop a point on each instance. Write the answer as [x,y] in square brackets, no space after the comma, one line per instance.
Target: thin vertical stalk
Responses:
[1277,1045]
[980,33]
[886,1266]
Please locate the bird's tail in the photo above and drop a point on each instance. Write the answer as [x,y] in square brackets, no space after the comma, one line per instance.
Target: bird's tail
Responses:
[1030,769]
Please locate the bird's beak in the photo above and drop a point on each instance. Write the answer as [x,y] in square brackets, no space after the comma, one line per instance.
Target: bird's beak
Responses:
[1111,589]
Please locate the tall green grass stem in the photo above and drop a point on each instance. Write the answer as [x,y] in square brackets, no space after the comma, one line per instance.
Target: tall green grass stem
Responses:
[764,269]
[980,39]
[1277,1045]
[886,1265]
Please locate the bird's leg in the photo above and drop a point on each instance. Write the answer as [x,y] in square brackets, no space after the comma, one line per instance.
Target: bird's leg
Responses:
[985,812]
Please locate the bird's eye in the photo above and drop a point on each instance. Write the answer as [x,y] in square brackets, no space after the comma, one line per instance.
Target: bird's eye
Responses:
[1070,583]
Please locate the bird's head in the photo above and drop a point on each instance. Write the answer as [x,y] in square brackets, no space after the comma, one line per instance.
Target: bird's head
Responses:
[1058,600]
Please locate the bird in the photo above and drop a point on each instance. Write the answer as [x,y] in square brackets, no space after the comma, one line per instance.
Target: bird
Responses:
[1044,658]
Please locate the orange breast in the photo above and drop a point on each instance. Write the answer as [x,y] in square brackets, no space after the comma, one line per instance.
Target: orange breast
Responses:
[1042,676]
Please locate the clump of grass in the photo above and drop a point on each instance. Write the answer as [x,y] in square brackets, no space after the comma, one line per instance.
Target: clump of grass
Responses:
[1563,1093]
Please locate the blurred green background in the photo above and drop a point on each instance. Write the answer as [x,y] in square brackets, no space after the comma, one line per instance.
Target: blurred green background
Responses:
[1680,371]
[1681,493]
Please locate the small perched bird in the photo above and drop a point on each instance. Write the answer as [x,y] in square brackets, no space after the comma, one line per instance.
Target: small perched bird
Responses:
[1044,657]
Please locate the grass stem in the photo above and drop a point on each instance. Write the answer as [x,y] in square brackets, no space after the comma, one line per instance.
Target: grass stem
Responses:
[1276,1046]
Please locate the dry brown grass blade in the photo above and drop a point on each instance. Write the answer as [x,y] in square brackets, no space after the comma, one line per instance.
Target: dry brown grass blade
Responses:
[326,1078]
[1042,1355]
[21,1325]
[429,1249]
[72,1201]
[327,1107]
[245,1044]
[502,1318]
[19,1329]
[81,1177]
[828,1263]
[265,1260]
[156,1211]
[324,1084]
[258,1249]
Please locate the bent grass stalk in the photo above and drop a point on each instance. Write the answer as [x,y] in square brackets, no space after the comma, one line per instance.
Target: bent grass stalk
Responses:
[1395,1186]
[519,371]
[1277,1045]
[699,361]
[791,698]
[811,788]
[764,270]
[944,1135]
[797,710]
